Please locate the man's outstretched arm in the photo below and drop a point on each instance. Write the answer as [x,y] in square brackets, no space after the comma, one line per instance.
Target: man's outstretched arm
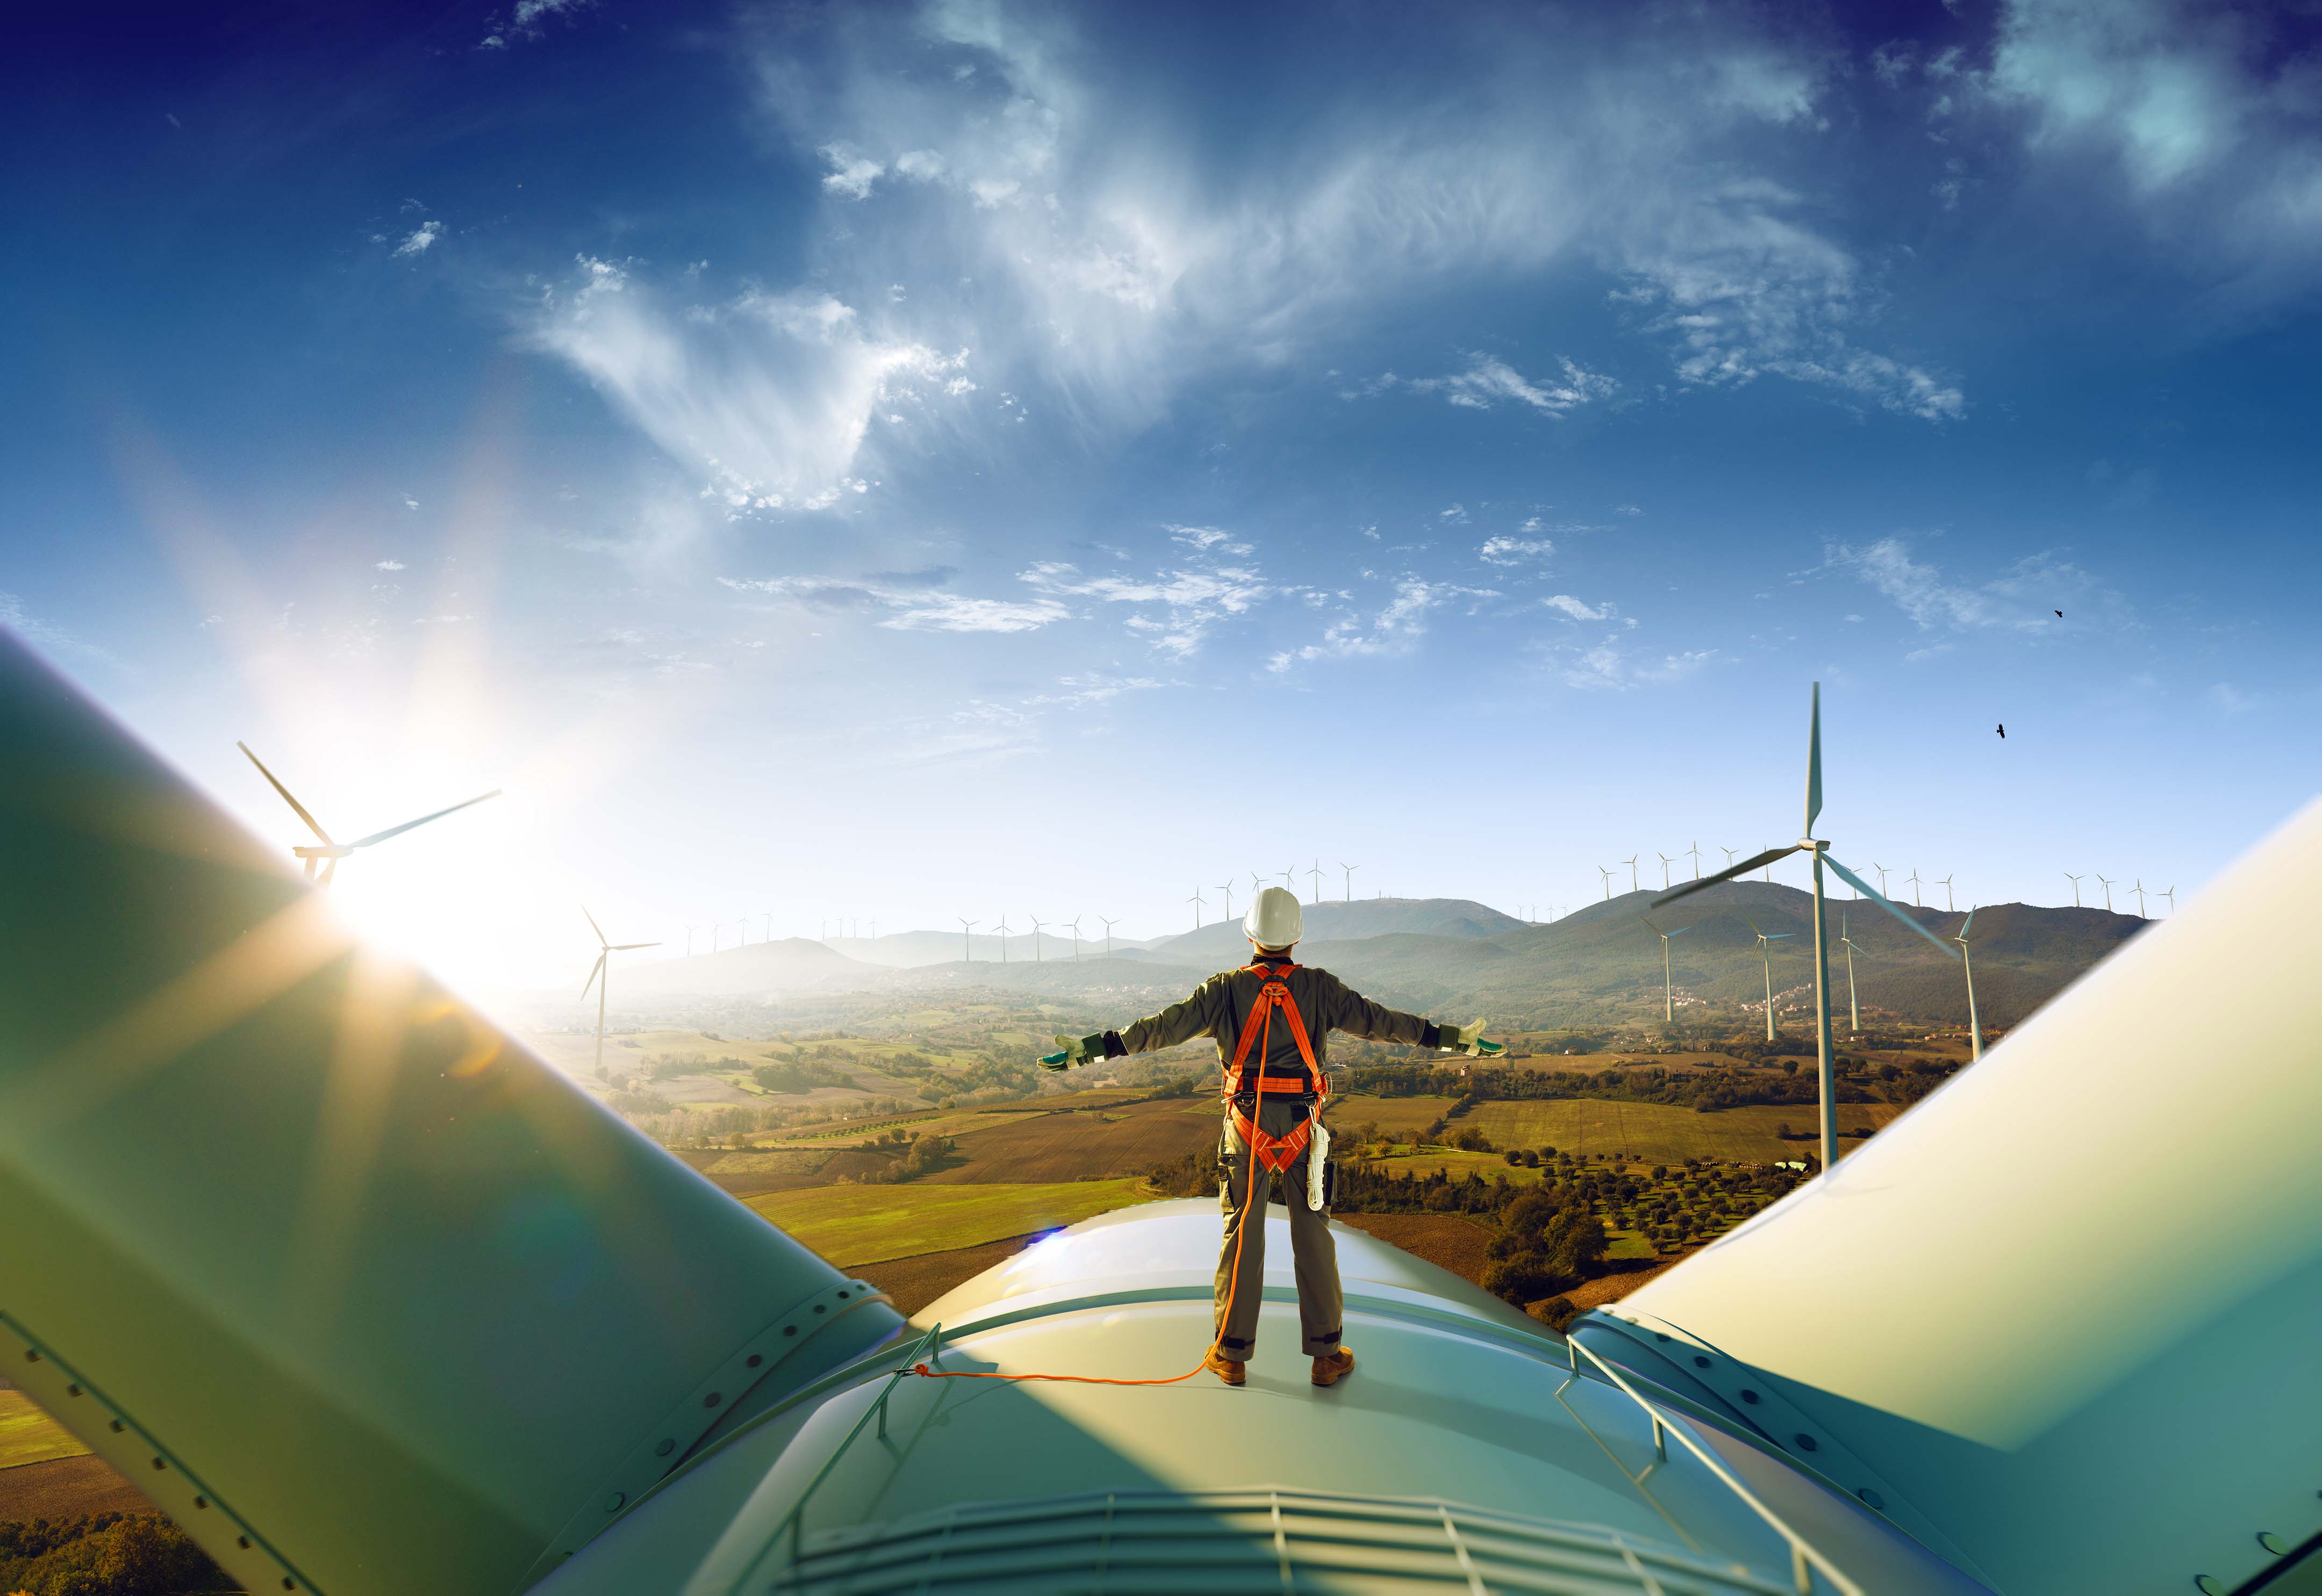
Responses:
[1348,1010]
[1180,1022]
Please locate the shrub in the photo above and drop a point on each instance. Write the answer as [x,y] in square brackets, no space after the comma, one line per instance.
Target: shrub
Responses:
[107,1555]
[1556,1313]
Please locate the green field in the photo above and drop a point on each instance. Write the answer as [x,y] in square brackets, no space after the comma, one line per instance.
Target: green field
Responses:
[855,1224]
[27,1434]
[1656,1133]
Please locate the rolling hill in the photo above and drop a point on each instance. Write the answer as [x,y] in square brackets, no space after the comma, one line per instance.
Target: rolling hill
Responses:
[1598,966]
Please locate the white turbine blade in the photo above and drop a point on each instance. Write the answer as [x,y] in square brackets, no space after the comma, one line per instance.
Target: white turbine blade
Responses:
[1744,868]
[599,930]
[631,946]
[1779,935]
[595,971]
[1970,920]
[396,831]
[1814,760]
[296,805]
[1857,882]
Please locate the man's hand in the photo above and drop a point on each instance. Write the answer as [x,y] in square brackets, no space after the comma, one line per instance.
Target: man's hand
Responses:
[1469,1039]
[1077,1050]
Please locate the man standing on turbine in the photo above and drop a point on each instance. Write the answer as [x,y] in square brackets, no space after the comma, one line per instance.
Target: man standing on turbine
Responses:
[1272,1019]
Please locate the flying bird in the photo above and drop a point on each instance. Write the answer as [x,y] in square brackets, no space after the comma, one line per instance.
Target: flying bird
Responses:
[2003,731]
[2060,614]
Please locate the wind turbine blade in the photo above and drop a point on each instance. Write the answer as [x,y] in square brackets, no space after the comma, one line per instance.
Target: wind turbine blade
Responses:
[595,971]
[599,930]
[630,946]
[297,807]
[396,831]
[1780,935]
[1727,874]
[1970,920]
[1680,931]
[1879,897]
[1814,760]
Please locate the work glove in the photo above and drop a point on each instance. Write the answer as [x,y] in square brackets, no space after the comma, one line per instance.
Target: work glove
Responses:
[1469,1039]
[1077,1050]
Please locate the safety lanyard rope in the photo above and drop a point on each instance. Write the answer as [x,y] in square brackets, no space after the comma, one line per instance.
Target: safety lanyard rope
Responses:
[1263,1014]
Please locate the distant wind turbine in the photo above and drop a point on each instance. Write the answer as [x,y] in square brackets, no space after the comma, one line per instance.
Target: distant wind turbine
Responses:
[1914,879]
[1290,879]
[967,940]
[1351,869]
[1729,853]
[1770,875]
[599,979]
[2139,890]
[2172,895]
[331,853]
[1695,852]
[1036,923]
[2107,892]
[1607,874]
[1197,900]
[1854,1009]
[1315,876]
[1003,939]
[1766,956]
[1974,1023]
[2076,887]
[1668,990]
[1808,843]
[768,919]
[1108,924]
[1228,891]
[1950,907]
[1256,881]
[1076,924]
[1632,862]
[1665,867]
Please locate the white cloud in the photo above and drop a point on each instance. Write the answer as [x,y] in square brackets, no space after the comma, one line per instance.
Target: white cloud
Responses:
[524,22]
[773,392]
[46,634]
[1609,665]
[1488,381]
[1395,629]
[850,175]
[1626,510]
[1514,550]
[421,239]
[1456,515]
[908,602]
[1567,605]
[388,565]
[411,503]
[1209,539]
[1115,258]
[2023,599]
[1190,603]
[947,613]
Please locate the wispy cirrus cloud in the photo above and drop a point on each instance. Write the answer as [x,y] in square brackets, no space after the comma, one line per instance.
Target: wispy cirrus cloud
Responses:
[1514,550]
[773,392]
[907,603]
[2023,599]
[1489,381]
[1394,628]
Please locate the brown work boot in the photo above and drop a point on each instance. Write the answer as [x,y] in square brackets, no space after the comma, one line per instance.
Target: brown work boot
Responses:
[1331,1369]
[1225,1368]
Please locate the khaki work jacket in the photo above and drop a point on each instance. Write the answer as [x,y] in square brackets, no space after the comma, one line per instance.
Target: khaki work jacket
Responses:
[1220,1006]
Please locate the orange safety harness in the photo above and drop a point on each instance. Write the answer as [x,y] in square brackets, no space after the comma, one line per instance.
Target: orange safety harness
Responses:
[1274,994]
[1277,1154]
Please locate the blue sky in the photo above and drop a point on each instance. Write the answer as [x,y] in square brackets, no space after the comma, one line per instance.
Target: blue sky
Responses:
[917,462]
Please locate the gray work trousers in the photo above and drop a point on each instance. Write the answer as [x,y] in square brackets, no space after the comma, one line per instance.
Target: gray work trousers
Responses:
[1320,1302]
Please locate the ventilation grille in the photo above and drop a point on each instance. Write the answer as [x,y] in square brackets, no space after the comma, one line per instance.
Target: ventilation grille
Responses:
[1129,1543]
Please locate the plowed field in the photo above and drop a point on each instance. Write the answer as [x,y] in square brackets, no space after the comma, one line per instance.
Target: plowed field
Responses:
[1091,1145]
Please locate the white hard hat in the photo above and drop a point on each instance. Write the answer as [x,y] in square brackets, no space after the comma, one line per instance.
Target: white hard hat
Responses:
[1273,921]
